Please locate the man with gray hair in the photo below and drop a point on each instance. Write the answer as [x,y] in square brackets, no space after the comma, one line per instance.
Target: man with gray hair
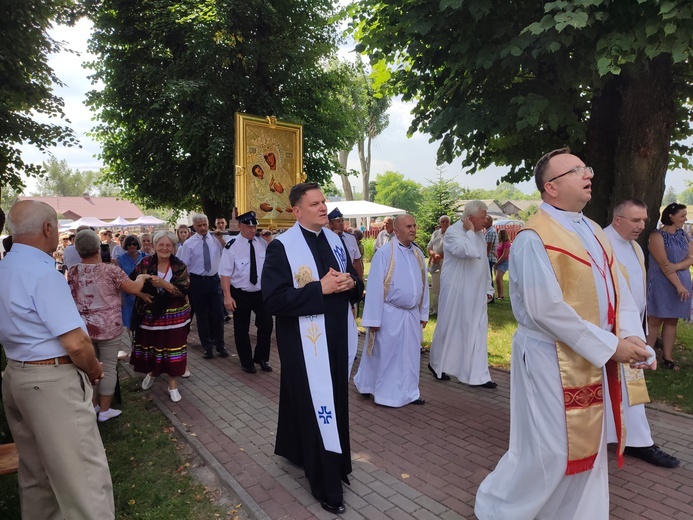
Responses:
[386,234]
[435,260]
[459,341]
[63,471]
[202,253]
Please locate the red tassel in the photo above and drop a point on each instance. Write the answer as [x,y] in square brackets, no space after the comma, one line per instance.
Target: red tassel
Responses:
[616,399]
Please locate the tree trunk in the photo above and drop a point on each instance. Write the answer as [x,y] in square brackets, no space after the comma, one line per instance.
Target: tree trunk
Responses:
[643,127]
[365,160]
[346,185]
[214,209]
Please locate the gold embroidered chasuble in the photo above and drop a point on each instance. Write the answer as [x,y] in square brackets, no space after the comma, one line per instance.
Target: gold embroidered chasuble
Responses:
[582,381]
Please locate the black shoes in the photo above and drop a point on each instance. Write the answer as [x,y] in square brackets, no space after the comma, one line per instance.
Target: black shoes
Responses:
[337,509]
[443,377]
[419,401]
[487,384]
[264,366]
[250,369]
[208,354]
[654,455]
[223,353]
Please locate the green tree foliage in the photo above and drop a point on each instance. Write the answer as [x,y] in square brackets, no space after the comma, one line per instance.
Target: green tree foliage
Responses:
[26,85]
[392,189]
[669,196]
[526,214]
[7,197]
[503,192]
[439,198]
[329,189]
[504,82]
[61,181]
[686,196]
[176,71]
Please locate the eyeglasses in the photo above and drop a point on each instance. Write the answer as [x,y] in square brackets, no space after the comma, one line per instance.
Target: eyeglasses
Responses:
[579,170]
[645,221]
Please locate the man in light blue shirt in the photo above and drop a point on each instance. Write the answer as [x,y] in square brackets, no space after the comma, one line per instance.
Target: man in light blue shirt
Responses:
[63,471]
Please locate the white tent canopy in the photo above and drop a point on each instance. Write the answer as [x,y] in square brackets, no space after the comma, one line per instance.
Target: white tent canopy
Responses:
[363,208]
[147,221]
[89,221]
[120,222]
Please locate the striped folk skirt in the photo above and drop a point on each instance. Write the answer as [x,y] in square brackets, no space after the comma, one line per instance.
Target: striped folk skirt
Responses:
[160,345]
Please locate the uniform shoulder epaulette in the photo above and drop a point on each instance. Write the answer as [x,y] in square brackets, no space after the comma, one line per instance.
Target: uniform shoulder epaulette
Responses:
[229,243]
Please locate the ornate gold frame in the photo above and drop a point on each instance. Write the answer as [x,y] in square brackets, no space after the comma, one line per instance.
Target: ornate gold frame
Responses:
[261,185]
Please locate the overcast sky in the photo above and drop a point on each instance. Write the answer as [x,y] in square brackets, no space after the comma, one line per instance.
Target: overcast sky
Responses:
[414,157]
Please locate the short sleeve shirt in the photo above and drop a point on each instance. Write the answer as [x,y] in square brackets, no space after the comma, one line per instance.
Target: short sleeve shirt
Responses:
[235,262]
[96,290]
[35,305]
[351,246]
[492,238]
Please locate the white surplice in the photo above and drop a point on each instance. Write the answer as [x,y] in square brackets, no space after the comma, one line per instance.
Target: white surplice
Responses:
[638,434]
[459,341]
[391,372]
[530,482]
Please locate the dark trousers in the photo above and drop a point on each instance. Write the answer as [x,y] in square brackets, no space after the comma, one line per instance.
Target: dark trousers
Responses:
[208,302]
[245,303]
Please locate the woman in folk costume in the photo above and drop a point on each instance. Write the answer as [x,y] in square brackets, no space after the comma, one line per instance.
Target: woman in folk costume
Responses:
[161,320]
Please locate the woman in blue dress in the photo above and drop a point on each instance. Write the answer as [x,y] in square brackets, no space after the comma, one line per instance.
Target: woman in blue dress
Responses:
[669,279]
[127,262]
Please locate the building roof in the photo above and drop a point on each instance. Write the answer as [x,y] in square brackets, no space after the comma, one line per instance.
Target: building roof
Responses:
[522,205]
[104,208]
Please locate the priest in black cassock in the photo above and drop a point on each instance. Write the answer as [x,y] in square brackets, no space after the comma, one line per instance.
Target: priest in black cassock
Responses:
[308,283]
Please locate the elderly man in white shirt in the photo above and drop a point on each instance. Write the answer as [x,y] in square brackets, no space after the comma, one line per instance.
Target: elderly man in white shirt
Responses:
[63,470]
[202,253]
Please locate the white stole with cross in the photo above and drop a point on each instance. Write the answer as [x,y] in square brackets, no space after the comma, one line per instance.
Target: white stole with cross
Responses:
[313,332]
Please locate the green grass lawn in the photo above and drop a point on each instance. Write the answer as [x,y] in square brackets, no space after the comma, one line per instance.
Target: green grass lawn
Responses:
[150,478]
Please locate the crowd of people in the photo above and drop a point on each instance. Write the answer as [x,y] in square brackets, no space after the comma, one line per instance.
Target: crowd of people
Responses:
[580,295]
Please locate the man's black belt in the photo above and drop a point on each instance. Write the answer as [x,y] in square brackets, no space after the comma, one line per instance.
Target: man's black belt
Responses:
[204,276]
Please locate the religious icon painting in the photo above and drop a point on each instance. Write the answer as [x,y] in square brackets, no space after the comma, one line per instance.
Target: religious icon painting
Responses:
[269,162]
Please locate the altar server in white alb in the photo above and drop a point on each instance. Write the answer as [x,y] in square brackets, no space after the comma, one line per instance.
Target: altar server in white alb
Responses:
[459,341]
[629,220]
[574,327]
[395,312]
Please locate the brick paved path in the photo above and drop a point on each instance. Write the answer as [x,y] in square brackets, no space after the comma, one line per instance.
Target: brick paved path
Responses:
[417,462]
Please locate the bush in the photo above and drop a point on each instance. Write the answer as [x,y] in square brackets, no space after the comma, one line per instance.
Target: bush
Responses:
[368,249]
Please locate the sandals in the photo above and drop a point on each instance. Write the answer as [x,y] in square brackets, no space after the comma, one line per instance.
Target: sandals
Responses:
[670,365]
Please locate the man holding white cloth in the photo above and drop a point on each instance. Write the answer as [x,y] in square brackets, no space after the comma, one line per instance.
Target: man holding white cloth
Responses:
[574,326]
[629,220]
[308,283]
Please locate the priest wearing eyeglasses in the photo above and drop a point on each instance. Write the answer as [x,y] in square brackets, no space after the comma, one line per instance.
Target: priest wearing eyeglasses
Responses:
[575,324]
